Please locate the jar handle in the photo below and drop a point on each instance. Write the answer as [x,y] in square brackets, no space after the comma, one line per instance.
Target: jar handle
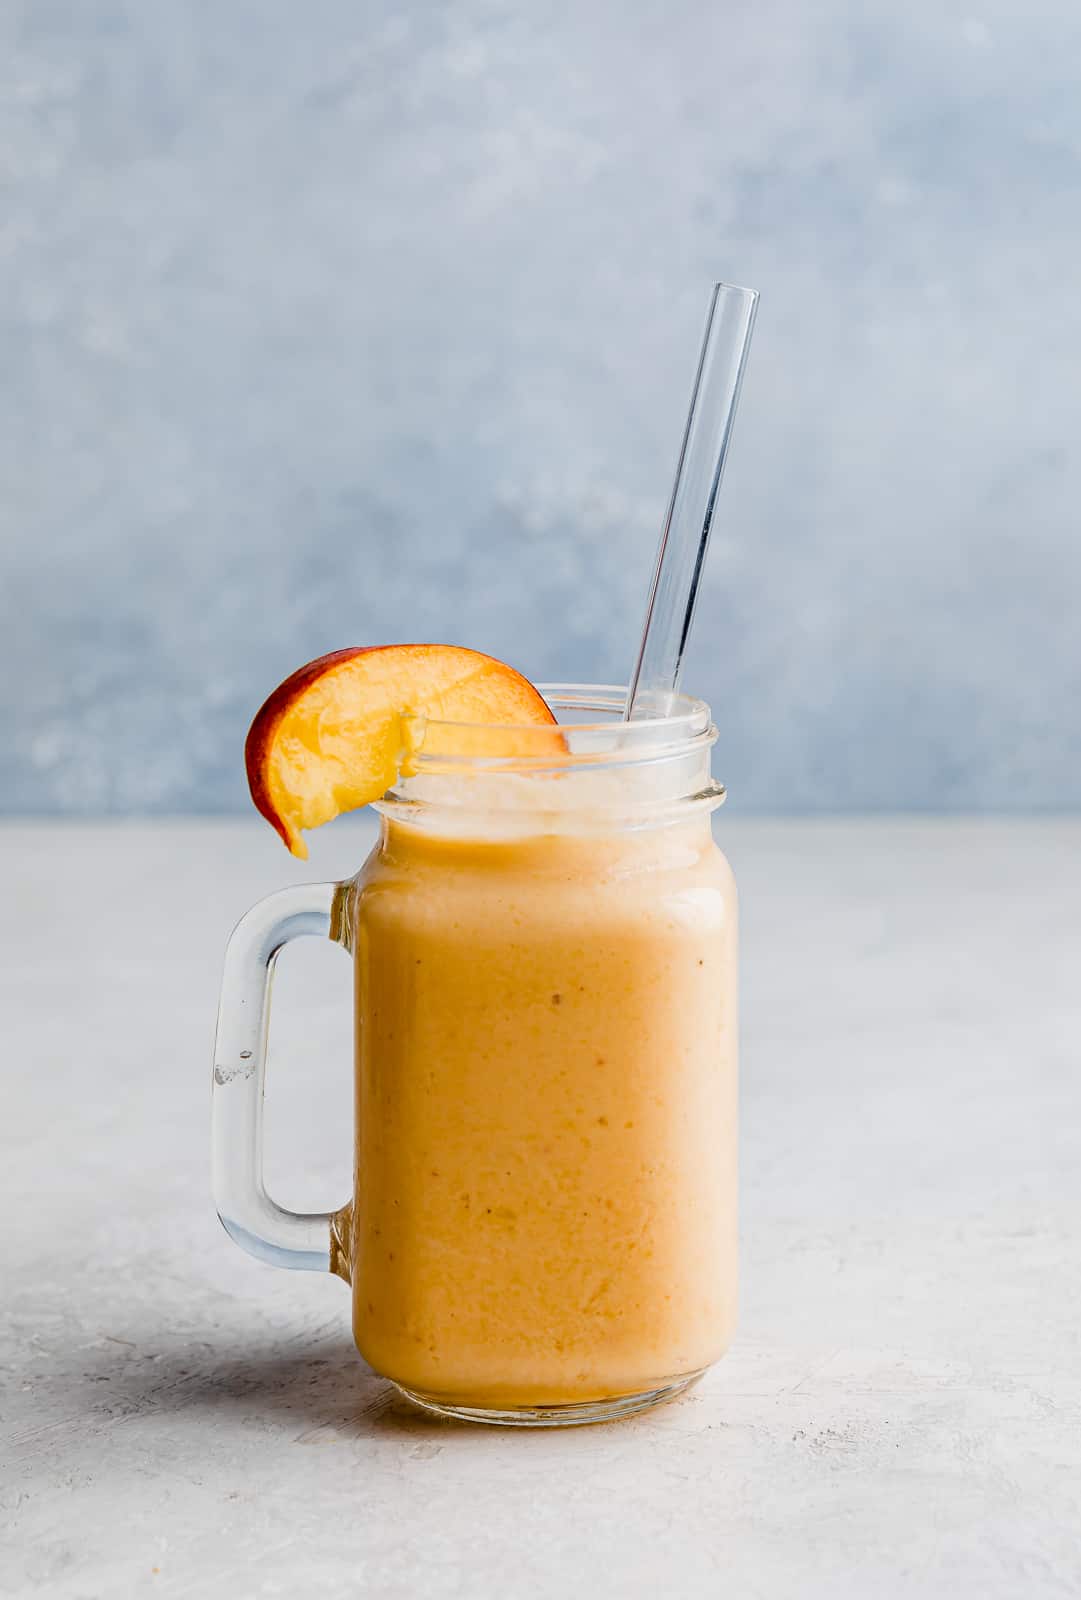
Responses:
[317,1241]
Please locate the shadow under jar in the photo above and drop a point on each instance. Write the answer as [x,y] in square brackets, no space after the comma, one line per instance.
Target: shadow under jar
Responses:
[543,1227]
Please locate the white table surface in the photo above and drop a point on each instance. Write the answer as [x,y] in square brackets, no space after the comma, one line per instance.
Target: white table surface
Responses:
[901,1414]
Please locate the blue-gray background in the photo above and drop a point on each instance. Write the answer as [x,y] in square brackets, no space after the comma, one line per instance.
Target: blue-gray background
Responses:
[335,322]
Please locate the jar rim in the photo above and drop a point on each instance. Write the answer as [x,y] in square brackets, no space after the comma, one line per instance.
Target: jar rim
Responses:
[675,721]
[650,769]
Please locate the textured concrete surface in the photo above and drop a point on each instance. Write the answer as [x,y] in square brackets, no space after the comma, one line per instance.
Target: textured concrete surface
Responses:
[346,322]
[901,1415]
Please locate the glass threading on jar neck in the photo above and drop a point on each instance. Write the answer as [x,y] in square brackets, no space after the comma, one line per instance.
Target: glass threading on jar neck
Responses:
[590,772]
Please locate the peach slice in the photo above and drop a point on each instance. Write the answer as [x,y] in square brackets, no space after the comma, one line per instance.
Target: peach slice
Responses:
[330,738]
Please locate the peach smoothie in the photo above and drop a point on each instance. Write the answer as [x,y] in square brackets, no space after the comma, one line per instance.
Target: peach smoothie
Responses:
[543,1226]
[545,1204]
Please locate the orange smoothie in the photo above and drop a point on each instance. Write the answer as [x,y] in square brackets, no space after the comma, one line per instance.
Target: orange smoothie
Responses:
[545,1201]
[543,1227]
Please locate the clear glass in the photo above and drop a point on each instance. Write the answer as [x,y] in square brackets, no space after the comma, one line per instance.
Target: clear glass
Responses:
[543,1227]
[689,522]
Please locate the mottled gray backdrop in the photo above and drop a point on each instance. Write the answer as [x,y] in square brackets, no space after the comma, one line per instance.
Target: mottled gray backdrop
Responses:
[339,322]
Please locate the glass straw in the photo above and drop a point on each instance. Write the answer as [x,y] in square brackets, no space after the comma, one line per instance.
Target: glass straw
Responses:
[685,537]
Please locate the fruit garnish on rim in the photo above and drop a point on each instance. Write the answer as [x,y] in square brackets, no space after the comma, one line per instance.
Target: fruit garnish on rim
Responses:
[329,739]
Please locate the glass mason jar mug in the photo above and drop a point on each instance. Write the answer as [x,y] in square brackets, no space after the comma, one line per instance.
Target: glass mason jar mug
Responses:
[543,1225]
